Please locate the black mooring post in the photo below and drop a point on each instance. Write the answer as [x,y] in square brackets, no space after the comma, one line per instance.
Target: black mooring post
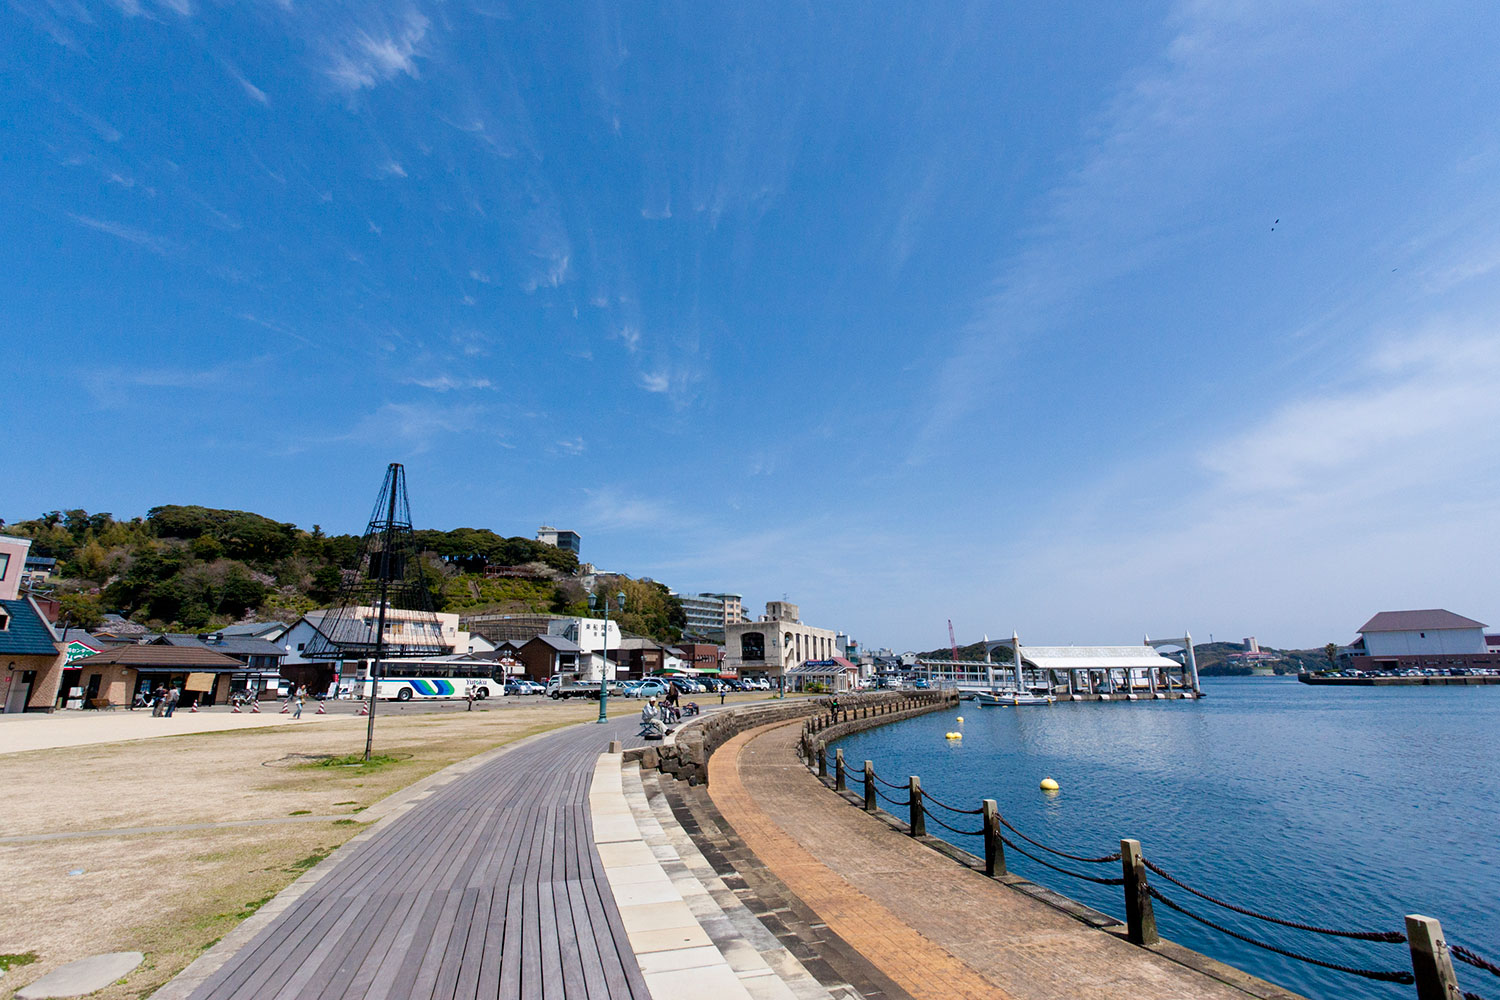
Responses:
[994,848]
[918,814]
[822,761]
[1140,918]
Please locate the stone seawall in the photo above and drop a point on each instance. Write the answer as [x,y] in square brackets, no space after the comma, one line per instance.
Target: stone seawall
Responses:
[857,718]
[684,754]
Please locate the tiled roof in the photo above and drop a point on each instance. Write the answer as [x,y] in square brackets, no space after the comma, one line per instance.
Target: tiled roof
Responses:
[254,629]
[1410,621]
[26,634]
[557,642]
[232,645]
[176,657]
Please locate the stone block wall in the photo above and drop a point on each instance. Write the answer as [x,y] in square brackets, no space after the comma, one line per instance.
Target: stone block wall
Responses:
[684,755]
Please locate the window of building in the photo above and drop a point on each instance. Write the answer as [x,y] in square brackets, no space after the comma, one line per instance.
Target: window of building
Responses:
[4,621]
[4,564]
[753,646]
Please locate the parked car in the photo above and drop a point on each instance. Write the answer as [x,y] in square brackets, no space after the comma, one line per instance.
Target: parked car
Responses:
[522,685]
[651,687]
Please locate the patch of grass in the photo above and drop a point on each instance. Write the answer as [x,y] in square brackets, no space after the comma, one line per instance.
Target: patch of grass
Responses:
[345,822]
[378,760]
[351,802]
[16,960]
[248,910]
[311,861]
[300,812]
[204,946]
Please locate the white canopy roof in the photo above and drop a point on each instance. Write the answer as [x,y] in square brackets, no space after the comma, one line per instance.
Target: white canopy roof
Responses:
[1094,657]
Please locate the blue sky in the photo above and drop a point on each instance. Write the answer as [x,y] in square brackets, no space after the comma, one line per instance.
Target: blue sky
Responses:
[1086,320]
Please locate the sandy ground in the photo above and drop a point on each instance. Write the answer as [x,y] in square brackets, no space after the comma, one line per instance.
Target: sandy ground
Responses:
[172,894]
[20,733]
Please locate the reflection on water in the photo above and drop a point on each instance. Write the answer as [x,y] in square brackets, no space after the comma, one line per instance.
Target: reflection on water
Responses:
[1345,807]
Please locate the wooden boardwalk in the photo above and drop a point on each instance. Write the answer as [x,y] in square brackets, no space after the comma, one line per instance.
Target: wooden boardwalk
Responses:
[491,887]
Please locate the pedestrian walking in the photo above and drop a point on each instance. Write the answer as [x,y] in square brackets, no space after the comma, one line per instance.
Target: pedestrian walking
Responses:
[297,711]
[173,696]
[723,690]
[158,702]
[470,696]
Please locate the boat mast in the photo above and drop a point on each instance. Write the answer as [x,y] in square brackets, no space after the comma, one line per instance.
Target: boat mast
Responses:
[1015,646]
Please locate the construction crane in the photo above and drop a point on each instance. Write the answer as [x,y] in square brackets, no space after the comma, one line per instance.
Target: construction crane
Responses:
[952,642]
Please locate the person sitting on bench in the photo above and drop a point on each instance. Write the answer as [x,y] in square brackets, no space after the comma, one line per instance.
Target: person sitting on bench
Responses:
[653,727]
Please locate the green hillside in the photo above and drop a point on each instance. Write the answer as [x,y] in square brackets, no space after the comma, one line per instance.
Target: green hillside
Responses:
[190,568]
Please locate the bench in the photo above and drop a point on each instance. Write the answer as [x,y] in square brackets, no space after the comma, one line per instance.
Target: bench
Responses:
[101,704]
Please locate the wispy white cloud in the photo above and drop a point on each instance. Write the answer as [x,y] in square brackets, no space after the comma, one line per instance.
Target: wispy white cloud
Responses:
[448,383]
[479,276]
[571,446]
[552,273]
[371,56]
[1213,104]
[275,327]
[656,381]
[129,234]
[631,337]
[415,426]
[1373,494]
[392,169]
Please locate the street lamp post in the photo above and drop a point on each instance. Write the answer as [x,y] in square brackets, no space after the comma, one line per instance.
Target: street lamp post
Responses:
[597,601]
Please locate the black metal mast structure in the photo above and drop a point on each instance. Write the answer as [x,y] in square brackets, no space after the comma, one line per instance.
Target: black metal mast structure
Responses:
[387,578]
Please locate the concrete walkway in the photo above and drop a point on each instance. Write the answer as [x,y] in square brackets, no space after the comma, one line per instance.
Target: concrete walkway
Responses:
[936,929]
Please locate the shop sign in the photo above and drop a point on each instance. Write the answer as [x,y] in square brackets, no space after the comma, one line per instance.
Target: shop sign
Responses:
[77,651]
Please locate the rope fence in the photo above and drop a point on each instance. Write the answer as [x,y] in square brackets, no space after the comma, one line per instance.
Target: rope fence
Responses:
[1397,976]
[1078,875]
[1431,969]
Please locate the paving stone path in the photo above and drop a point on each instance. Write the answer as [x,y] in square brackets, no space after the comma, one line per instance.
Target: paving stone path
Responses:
[489,887]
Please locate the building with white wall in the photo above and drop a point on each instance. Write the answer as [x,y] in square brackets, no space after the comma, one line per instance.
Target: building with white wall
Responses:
[1423,639]
[560,538]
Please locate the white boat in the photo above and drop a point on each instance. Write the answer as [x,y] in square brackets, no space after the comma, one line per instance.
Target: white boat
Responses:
[1012,698]
[1018,694]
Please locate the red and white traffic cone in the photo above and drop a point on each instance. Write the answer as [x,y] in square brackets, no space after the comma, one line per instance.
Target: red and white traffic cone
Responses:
[363,710]
[284,709]
[254,708]
[321,709]
[234,710]
[194,707]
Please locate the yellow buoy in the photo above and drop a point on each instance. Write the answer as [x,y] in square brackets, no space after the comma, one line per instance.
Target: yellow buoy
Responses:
[1048,785]
[960,720]
[955,736]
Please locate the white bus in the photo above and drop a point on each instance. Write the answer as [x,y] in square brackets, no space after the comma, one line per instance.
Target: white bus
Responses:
[429,680]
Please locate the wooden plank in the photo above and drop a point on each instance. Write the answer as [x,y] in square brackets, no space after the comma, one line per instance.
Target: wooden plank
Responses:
[490,887]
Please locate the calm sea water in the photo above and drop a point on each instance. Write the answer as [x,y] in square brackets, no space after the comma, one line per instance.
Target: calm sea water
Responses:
[1343,807]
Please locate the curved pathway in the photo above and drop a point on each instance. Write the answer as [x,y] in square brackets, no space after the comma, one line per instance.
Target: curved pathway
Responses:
[490,886]
[938,929]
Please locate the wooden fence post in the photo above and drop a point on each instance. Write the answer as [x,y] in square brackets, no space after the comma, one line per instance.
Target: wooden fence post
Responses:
[870,786]
[1140,918]
[822,761]
[839,784]
[918,814]
[1430,961]
[994,850]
